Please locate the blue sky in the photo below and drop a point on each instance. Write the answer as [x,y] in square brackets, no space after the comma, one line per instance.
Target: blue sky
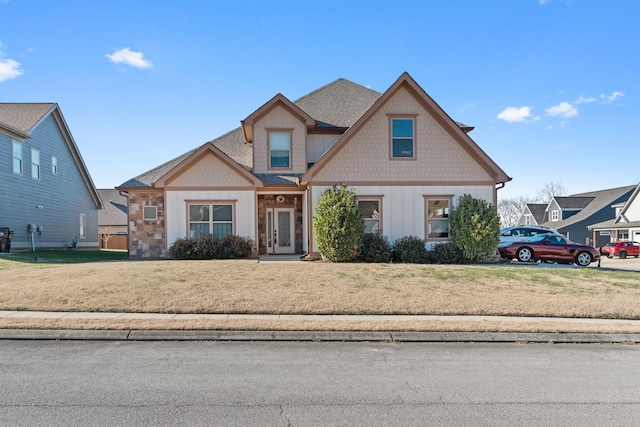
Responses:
[551,86]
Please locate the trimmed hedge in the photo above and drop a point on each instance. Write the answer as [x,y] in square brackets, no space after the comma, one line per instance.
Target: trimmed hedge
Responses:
[446,253]
[374,248]
[211,247]
[410,249]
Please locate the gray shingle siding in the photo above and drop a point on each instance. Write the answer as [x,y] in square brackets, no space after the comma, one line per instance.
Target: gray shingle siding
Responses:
[63,197]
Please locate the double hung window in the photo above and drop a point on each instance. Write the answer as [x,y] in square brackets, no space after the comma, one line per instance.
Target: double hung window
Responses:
[280,149]
[438,218]
[402,138]
[371,212]
[210,218]
[17,158]
[35,163]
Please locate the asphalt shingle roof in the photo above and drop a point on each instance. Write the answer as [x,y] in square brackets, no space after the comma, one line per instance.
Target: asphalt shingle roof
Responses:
[338,104]
[115,208]
[23,116]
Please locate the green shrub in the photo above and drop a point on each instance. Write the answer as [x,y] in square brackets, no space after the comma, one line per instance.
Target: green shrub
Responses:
[475,228]
[211,247]
[446,253]
[374,248]
[410,249]
[338,224]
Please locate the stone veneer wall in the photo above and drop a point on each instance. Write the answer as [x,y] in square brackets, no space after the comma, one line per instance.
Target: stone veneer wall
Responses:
[269,201]
[147,238]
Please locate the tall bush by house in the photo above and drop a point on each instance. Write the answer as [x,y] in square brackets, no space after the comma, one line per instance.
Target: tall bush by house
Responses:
[474,228]
[338,224]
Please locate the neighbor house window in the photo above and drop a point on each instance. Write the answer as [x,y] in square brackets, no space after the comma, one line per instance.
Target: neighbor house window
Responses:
[35,163]
[554,215]
[54,165]
[402,138]
[83,226]
[210,218]
[437,217]
[527,220]
[17,157]
[150,212]
[371,211]
[280,149]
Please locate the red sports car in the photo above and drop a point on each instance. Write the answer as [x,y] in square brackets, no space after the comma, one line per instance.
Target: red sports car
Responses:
[621,249]
[550,248]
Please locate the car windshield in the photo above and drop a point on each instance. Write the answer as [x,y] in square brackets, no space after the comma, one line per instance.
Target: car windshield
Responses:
[537,238]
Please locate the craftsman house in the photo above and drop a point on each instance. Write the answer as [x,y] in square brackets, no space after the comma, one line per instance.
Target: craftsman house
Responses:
[406,159]
[47,196]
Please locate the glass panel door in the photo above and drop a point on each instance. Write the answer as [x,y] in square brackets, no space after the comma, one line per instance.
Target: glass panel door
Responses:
[283,231]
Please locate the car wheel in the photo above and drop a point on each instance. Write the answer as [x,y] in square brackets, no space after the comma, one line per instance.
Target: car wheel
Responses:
[524,254]
[623,254]
[583,259]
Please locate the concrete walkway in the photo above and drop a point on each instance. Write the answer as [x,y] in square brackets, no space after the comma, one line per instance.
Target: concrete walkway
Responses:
[393,334]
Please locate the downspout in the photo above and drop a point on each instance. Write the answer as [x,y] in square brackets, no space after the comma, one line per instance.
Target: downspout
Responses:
[495,193]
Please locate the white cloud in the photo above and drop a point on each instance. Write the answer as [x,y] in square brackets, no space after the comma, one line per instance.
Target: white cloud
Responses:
[564,110]
[612,97]
[516,115]
[582,100]
[129,57]
[467,106]
[9,69]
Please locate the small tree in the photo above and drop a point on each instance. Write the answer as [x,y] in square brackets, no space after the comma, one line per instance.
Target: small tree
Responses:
[474,228]
[338,223]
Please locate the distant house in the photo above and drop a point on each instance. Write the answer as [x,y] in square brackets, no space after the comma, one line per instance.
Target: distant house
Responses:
[46,193]
[406,159]
[571,215]
[112,220]
[625,224]
[532,214]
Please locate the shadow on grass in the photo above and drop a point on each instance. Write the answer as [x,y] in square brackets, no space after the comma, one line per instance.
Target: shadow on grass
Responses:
[64,256]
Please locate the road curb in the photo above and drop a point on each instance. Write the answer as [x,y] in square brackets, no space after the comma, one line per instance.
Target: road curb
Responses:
[318,336]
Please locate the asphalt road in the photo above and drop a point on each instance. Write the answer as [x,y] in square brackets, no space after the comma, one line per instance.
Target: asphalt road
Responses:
[317,384]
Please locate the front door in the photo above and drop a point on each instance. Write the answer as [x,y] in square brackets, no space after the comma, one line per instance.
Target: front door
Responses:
[280,231]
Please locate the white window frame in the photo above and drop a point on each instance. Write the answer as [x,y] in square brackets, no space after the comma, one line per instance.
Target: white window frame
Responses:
[54,165]
[83,226]
[17,145]
[393,138]
[273,132]
[527,219]
[35,163]
[378,219]
[429,220]
[555,214]
[211,221]
[149,213]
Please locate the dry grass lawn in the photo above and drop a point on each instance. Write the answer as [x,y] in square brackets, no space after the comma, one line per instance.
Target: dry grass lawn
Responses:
[313,288]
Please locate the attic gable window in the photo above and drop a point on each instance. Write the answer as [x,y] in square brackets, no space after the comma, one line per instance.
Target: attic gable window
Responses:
[280,149]
[402,138]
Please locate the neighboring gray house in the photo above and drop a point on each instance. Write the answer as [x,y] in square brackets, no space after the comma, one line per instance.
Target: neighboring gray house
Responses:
[571,215]
[625,225]
[47,195]
[112,219]
[532,214]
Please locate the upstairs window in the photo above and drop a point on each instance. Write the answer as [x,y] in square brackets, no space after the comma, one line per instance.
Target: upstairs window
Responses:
[555,215]
[54,165]
[527,220]
[17,158]
[280,150]
[402,138]
[35,163]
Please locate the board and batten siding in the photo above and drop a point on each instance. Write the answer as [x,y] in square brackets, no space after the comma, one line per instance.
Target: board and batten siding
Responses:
[403,207]
[176,210]
[54,202]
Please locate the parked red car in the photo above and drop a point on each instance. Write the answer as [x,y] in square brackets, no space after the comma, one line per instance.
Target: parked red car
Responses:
[550,248]
[621,249]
